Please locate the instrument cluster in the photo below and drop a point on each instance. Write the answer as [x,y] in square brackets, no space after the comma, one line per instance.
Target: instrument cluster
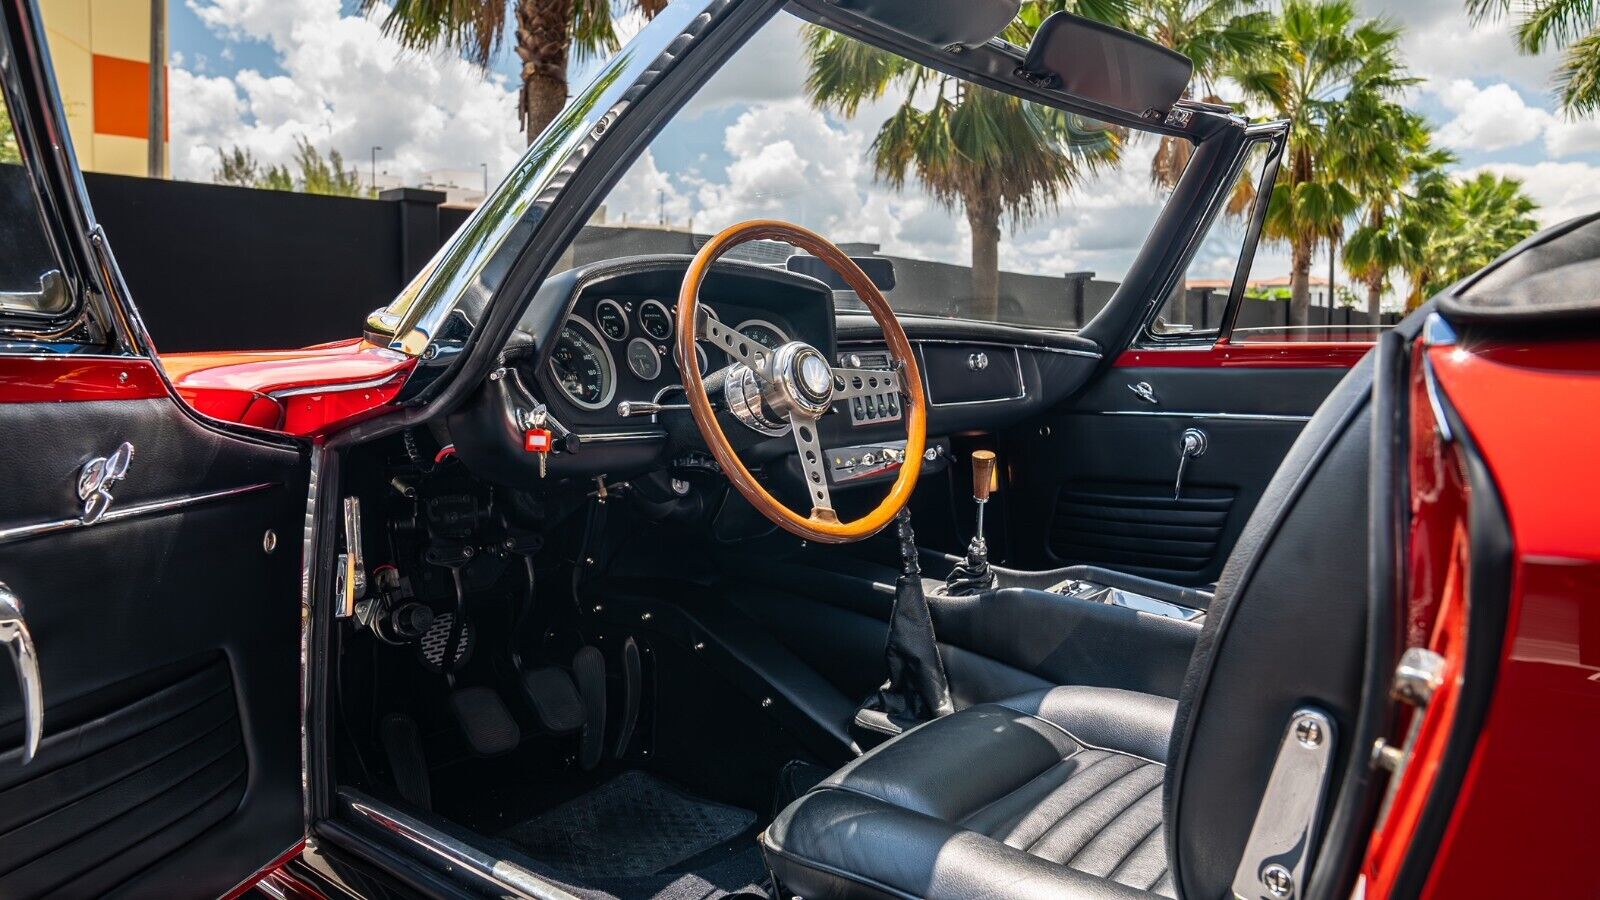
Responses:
[617,348]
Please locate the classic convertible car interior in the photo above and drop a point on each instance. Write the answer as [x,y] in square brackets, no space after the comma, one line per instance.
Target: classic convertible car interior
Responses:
[753,559]
[731,580]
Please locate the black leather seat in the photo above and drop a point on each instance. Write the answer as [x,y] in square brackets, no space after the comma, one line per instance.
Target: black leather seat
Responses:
[1081,792]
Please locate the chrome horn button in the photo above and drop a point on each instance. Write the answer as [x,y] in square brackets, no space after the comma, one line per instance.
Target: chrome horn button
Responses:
[802,381]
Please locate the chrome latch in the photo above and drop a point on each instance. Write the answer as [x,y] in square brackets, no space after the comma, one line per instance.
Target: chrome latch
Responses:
[1418,675]
[352,582]
[1278,854]
[1193,444]
[1145,392]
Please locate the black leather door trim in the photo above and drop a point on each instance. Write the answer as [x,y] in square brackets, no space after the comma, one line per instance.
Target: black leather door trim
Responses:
[154,507]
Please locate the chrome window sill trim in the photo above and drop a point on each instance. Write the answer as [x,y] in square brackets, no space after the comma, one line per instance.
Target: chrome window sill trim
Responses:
[507,876]
[1065,351]
[1242,417]
[154,507]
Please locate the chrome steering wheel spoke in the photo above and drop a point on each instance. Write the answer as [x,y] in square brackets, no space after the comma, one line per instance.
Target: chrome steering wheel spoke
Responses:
[812,465]
[737,346]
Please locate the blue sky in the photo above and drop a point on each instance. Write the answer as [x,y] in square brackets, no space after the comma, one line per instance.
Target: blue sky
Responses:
[259,73]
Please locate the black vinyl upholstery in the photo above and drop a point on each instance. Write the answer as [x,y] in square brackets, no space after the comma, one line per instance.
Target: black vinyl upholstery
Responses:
[1097,792]
[1058,791]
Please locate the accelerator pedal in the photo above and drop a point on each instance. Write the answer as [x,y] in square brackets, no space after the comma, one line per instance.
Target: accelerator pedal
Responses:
[632,688]
[402,746]
[485,721]
[554,699]
[589,671]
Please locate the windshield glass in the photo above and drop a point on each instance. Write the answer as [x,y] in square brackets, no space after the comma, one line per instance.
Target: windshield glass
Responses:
[989,207]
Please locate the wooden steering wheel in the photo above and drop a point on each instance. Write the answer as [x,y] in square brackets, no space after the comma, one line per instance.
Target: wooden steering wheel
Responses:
[792,387]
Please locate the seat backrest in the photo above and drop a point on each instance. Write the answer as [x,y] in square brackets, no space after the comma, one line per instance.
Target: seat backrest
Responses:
[1287,628]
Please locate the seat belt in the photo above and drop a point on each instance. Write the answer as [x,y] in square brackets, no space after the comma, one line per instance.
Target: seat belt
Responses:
[917,689]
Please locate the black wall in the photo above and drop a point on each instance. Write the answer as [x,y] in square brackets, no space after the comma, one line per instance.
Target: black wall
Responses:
[214,267]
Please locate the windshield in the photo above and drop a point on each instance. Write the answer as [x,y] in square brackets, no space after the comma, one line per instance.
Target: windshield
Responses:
[988,207]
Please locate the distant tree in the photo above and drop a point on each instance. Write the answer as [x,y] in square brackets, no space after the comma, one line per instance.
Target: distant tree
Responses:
[312,173]
[1483,217]
[1327,58]
[9,152]
[547,33]
[1569,25]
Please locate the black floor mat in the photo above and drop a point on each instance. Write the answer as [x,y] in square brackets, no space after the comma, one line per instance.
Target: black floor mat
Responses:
[631,826]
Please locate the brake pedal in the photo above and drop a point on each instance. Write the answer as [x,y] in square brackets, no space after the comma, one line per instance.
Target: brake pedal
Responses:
[485,721]
[589,671]
[554,699]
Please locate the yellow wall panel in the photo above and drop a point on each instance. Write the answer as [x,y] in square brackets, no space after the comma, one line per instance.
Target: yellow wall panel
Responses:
[120,28]
[121,155]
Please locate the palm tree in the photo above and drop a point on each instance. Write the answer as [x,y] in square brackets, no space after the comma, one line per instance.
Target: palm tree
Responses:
[1386,154]
[996,156]
[1483,216]
[1573,25]
[1325,58]
[549,32]
[1218,36]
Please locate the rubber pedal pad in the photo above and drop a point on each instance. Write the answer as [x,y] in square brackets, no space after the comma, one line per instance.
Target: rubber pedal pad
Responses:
[485,721]
[402,747]
[554,699]
[589,671]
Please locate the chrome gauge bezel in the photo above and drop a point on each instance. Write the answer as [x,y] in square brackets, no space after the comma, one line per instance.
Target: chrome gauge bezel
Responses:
[645,329]
[655,356]
[627,324]
[610,365]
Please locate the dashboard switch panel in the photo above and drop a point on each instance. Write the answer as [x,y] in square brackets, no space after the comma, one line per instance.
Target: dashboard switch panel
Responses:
[877,408]
[847,464]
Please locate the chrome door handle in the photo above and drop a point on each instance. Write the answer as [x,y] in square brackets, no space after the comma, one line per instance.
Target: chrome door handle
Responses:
[1193,443]
[19,645]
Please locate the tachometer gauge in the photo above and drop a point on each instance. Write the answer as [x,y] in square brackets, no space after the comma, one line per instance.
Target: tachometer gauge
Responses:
[655,320]
[643,359]
[583,366]
[763,332]
[612,319]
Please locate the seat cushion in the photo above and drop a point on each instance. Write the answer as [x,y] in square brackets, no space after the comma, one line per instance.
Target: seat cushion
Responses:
[1056,793]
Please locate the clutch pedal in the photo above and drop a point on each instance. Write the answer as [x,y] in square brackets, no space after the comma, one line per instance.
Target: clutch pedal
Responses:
[554,700]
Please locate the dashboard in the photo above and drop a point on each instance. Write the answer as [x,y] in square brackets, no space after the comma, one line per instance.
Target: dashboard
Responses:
[595,349]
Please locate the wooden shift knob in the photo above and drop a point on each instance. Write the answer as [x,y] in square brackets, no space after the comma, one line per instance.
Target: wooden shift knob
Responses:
[982,473]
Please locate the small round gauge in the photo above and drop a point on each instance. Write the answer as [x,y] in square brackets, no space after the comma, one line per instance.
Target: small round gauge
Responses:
[763,332]
[655,320]
[583,366]
[612,319]
[702,361]
[643,359]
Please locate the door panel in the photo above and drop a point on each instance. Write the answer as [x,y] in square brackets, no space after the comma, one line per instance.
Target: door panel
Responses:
[1094,482]
[168,644]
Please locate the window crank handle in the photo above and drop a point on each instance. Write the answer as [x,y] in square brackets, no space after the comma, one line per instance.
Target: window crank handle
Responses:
[1193,444]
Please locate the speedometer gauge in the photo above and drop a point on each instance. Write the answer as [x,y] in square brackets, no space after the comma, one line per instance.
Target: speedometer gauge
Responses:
[655,320]
[763,332]
[583,366]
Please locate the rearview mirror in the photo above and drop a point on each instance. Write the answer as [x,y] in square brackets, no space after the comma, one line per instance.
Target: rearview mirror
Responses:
[1100,64]
[880,270]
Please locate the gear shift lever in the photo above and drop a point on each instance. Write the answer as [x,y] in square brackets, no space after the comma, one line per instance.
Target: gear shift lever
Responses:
[974,576]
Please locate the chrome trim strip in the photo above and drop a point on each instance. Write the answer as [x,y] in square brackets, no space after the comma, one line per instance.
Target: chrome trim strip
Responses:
[335,388]
[24,532]
[308,544]
[503,874]
[1243,417]
[618,437]
[1430,383]
[1087,354]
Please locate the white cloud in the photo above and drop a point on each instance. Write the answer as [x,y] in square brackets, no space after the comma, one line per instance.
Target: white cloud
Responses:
[1490,118]
[344,86]
[1564,189]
